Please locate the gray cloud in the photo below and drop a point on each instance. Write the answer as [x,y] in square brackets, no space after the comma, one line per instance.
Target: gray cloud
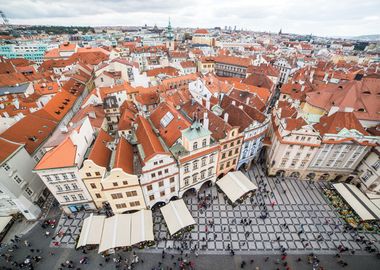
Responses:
[323,17]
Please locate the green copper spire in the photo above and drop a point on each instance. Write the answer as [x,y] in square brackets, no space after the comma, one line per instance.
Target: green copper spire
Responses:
[169,34]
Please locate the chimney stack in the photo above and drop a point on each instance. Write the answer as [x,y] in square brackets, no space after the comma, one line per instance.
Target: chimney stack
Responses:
[208,104]
[247,101]
[205,120]
[226,117]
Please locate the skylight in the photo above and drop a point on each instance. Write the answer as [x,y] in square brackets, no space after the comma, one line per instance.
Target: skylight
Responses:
[165,121]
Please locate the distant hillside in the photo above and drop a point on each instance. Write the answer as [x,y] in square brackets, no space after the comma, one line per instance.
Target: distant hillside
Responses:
[367,37]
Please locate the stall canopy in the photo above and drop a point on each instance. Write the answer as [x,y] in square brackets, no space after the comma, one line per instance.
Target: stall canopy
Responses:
[91,232]
[176,216]
[359,202]
[125,230]
[235,185]
[4,222]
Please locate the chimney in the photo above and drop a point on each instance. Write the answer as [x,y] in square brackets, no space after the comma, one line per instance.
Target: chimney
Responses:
[208,104]
[241,107]
[247,101]
[233,102]
[348,109]
[226,117]
[205,120]
[302,88]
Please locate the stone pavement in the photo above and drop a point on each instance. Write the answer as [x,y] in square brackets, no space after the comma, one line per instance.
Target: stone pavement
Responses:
[68,230]
[301,205]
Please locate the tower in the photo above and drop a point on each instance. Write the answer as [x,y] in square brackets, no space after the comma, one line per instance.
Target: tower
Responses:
[169,37]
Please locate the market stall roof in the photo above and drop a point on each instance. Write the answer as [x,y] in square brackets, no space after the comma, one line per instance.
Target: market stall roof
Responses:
[4,222]
[124,230]
[142,227]
[359,202]
[235,185]
[177,216]
[91,232]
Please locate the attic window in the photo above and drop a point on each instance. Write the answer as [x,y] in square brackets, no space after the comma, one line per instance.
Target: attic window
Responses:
[361,110]
[340,87]
[366,92]
[57,112]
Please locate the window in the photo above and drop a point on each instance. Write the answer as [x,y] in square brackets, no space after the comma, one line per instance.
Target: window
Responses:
[151,197]
[212,158]
[93,185]
[186,168]
[48,178]
[88,174]
[66,198]
[223,155]
[203,161]
[203,174]
[171,180]
[65,176]
[210,171]
[195,176]
[153,175]
[222,166]
[204,142]
[81,197]
[17,179]
[159,173]
[162,193]
[58,187]
[120,205]
[125,183]
[228,164]
[166,171]
[236,150]
[186,180]
[149,188]
[117,196]
[133,204]
[6,167]
[67,187]
[56,176]
[29,191]
[115,184]
[172,189]
[195,145]
[161,183]
[74,186]
[97,173]
[232,144]
[195,165]
[72,176]
[73,197]
[97,195]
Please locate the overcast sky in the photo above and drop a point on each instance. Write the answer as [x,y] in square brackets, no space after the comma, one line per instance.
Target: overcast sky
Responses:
[319,17]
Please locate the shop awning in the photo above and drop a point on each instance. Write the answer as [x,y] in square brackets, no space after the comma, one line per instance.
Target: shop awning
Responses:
[177,216]
[358,201]
[235,185]
[125,230]
[91,232]
[4,222]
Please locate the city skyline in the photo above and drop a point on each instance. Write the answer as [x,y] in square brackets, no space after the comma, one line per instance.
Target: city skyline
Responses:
[319,18]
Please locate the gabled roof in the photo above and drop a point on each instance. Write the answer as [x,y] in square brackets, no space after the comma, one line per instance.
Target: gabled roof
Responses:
[233,60]
[334,123]
[31,130]
[259,80]
[148,139]
[7,148]
[252,98]
[100,154]
[59,157]
[124,156]
[171,71]
[172,131]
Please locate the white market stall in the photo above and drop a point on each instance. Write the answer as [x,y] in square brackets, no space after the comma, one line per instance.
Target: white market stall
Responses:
[236,185]
[91,232]
[177,216]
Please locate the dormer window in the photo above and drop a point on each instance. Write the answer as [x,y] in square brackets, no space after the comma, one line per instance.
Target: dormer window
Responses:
[361,110]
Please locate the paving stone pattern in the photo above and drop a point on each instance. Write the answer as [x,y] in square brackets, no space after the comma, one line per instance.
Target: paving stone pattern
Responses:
[301,205]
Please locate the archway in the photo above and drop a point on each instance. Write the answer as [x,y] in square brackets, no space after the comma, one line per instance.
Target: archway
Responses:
[324,176]
[280,173]
[295,175]
[205,185]
[157,205]
[174,198]
[310,176]
[189,193]
[220,176]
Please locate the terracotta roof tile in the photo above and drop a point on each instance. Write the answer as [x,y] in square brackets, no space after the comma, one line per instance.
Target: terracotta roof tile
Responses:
[124,156]
[7,148]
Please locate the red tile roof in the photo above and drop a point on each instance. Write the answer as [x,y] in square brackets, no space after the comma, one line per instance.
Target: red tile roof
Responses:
[172,132]
[233,60]
[171,71]
[124,156]
[7,149]
[148,139]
